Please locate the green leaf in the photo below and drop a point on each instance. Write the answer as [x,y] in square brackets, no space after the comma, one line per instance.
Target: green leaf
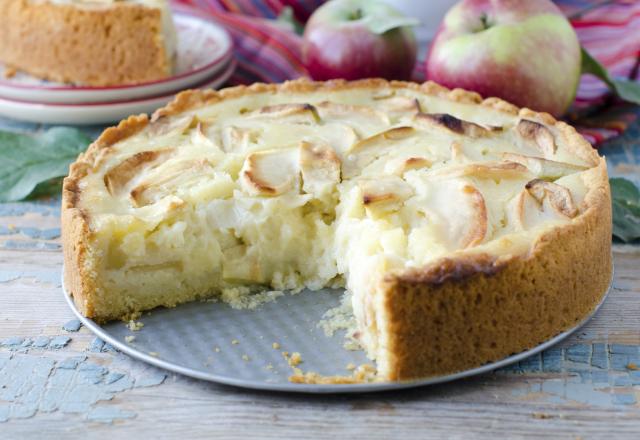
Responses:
[289,21]
[627,90]
[27,160]
[378,16]
[625,197]
[380,25]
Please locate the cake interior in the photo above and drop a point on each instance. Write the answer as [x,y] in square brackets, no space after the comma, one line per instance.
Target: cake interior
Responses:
[343,188]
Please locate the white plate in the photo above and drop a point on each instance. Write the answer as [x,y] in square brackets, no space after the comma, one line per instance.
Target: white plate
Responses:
[97,112]
[212,341]
[204,48]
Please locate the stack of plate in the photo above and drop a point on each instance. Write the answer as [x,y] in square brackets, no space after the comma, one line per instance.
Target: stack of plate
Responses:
[204,60]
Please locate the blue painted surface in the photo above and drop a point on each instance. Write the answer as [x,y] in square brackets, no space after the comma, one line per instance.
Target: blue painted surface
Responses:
[44,275]
[72,326]
[59,342]
[596,374]
[76,384]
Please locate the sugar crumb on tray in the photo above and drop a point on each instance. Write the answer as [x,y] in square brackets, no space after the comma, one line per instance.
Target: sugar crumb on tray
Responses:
[242,297]
[134,326]
[365,373]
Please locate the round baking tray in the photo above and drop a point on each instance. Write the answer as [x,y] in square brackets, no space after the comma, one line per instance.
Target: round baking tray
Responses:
[212,341]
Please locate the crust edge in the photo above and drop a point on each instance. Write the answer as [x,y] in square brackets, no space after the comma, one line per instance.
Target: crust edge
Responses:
[428,287]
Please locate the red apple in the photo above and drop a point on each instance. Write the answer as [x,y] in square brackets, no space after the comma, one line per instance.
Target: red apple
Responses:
[354,39]
[525,52]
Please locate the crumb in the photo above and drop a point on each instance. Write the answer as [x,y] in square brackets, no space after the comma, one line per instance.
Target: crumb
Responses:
[285,354]
[129,339]
[235,342]
[269,367]
[246,358]
[541,416]
[632,366]
[295,359]
[134,326]
[363,374]
[275,346]
[338,318]
[217,349]
[243,297]
[153,353]
[351,366]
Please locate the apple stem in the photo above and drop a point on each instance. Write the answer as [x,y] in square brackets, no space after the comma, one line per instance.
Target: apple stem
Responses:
[484,19]
[356,15]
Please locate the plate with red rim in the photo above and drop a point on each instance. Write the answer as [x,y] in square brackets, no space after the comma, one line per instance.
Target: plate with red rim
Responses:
[89,113]
[204,49]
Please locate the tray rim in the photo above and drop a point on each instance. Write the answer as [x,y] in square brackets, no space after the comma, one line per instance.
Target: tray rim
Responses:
[290,387]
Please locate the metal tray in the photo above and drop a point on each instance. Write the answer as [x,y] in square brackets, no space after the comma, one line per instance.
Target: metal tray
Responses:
[211,341]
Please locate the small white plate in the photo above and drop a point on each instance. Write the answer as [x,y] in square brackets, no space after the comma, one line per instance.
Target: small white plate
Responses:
[204,49]
[97,112]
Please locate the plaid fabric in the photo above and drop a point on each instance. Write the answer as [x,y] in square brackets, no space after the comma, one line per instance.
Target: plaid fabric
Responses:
[268,51]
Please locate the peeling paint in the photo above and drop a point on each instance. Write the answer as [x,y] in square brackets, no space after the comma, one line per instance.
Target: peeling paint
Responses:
[35,233]
[41,342]
[50,276]
[31,232]
[49,207]
[593,374]
[99,346]
[72,326]
[30,245]
[59,341]
[32,384]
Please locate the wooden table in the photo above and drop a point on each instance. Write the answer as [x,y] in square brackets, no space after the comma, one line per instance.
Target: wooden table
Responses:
[58,382]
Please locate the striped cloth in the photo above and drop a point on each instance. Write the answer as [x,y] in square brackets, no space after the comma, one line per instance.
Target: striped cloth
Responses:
[268,51]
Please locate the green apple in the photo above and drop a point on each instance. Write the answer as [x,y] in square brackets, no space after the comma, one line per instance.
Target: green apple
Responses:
[523,51]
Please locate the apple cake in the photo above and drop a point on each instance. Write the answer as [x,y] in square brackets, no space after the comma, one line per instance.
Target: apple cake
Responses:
[465,229]
[88,42]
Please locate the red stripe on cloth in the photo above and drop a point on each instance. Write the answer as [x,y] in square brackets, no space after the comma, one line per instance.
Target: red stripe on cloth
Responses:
[269,35]
[605,22]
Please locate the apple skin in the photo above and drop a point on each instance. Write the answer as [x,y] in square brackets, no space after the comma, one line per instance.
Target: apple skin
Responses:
[528,54]
[338,46]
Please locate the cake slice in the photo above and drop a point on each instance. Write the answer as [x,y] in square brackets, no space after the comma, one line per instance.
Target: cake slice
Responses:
[465,229]
[88,42]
